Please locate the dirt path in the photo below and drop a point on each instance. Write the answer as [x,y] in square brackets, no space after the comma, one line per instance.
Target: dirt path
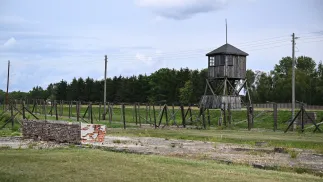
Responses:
[261,157]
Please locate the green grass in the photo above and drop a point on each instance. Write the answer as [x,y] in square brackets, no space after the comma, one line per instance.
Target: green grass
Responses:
[96,165]
[276,139]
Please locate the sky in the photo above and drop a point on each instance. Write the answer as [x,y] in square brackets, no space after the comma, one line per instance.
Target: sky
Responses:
[47,41]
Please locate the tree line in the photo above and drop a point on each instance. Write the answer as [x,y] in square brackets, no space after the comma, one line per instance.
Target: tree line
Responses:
[187,86]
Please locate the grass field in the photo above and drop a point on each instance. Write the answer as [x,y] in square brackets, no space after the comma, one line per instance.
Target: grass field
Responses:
[96,165]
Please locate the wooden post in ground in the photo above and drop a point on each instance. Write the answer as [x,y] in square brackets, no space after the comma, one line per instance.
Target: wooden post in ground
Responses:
[182,114]
[154,116]
[224,115]
[77,111]
[45,109]
[123,116]
[69,109]
[249,117]
[166,109]
[149,115]
[23,110]
[275,115]
[136,114]
[51,107]
[89,112]
[56,110]
[133,114]
[173,113]
[139,114]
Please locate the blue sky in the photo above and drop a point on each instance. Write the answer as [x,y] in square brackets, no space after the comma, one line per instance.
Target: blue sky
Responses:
[47,41]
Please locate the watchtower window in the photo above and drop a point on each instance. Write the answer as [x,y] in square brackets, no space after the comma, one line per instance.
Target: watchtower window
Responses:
[217,60]
[212,61]
[222,60]
[230,60]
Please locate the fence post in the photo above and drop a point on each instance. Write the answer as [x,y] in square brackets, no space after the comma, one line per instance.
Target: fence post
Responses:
[45,109]
[77,111]
[123,116]
[302,116]
[23,110]
[173,113]
[249,116]
[224,115]
[166,109]
[136,115]
[208,117]
[275,116]
[139,114]
[183,117]
[69,109]
[56,110]
[91,112]
[154,116]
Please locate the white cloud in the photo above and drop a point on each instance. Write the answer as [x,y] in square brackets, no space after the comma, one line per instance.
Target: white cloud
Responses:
[181,9]
[10,42]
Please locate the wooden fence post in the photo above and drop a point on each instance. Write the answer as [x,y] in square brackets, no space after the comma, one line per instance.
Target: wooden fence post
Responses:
[166,109]
[139,114]
[136,114]
[77,111]
[45,109]
[275,115]
[183,117]
[91,112]
[23,110]
[56,110]
[69,109]
[249,117]
[224,115]
[123,116]
[173,113]
[154,116]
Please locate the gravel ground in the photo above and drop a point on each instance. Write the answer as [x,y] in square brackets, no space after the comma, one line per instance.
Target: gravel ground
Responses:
[261,157]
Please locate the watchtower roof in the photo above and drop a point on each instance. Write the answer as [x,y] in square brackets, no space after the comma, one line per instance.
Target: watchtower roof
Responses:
[227,49]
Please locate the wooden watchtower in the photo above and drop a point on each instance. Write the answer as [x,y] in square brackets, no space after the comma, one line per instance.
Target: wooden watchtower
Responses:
[226,78]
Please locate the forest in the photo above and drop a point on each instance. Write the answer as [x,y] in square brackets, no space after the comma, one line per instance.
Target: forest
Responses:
[187,86]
